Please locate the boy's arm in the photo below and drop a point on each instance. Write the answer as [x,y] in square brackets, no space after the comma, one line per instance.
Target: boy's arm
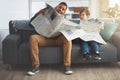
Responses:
[102,26]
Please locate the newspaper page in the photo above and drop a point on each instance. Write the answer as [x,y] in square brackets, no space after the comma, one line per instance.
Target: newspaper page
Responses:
[87,31]
[92,31]
[66,25]
[45,24]
[73,33]
[50,24]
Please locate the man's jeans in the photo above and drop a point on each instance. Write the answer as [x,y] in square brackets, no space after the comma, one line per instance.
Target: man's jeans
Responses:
[38,40]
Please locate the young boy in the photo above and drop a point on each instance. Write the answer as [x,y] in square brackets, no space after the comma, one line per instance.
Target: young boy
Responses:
[84,15]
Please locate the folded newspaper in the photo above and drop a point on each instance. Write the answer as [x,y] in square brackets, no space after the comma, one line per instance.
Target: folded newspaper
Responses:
[52,24]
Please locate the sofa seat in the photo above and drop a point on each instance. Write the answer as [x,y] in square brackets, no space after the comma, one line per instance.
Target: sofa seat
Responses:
[53,54]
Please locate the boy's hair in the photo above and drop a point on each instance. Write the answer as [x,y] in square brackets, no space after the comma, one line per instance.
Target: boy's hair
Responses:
[63,4]
[85,10]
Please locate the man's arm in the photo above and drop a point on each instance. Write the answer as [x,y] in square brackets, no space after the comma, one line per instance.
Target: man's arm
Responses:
[39,12]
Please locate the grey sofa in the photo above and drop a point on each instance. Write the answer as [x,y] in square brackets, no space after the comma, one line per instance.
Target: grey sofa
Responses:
[16,50]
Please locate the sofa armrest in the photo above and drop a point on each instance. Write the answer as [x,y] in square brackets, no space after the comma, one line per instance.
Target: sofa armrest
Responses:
[10,48]
[116,41]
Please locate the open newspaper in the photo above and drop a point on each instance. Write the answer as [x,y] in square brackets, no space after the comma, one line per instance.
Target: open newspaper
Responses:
[52,24]
[92,30]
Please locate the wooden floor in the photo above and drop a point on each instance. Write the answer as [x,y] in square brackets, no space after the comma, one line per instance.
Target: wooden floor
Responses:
[92,71]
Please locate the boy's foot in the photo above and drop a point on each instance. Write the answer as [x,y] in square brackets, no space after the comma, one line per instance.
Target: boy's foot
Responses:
[68,70]
[86,56]
[97,57]
[33,71]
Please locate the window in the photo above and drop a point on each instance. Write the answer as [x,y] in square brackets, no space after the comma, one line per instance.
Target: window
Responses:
[36,5]
[113,2]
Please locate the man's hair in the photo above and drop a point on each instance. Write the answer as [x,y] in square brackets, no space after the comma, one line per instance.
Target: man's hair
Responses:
[63,4]
[85,10]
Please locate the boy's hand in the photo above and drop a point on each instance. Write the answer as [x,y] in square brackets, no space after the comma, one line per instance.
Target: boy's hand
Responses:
[101,27]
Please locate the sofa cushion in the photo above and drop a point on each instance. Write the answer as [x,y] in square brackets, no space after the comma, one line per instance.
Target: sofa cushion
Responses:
[54,54]
[108,53]
[109,29]
[48,54]
[23,25]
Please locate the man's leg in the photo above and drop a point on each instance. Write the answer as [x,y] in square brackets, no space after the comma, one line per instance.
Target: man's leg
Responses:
[38,40]
[35,42]
[67,46]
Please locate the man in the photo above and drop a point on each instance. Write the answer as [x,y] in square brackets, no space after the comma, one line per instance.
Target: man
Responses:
[37,40]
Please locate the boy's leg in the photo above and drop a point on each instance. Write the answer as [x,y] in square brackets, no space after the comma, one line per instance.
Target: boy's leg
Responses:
[85,47]
[85,50]
[95,47]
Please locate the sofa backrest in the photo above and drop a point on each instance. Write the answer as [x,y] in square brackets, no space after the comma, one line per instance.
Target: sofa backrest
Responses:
[24,28]
[21,27]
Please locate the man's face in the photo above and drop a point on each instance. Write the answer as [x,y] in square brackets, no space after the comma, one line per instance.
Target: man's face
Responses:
[83,16]
[61,9]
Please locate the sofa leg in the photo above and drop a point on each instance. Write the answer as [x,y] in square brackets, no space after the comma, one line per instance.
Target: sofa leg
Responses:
[9,67]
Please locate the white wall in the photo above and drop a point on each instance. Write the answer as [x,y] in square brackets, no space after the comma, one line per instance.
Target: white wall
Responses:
[95,8]
[13,10]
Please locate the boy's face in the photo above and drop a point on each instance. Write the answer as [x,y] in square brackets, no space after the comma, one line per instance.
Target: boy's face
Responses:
[83,16]
[61,9]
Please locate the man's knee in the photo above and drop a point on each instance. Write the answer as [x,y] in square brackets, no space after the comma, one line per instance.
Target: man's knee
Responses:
[65,40]
[33,37]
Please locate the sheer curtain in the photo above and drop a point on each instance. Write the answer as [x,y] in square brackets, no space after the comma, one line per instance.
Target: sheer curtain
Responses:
[113,2]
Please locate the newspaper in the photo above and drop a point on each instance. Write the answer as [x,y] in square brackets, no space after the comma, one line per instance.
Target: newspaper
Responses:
[92,31]
[52,24]
[87,31]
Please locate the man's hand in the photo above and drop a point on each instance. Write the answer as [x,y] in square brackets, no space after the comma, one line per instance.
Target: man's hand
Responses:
[41,11]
